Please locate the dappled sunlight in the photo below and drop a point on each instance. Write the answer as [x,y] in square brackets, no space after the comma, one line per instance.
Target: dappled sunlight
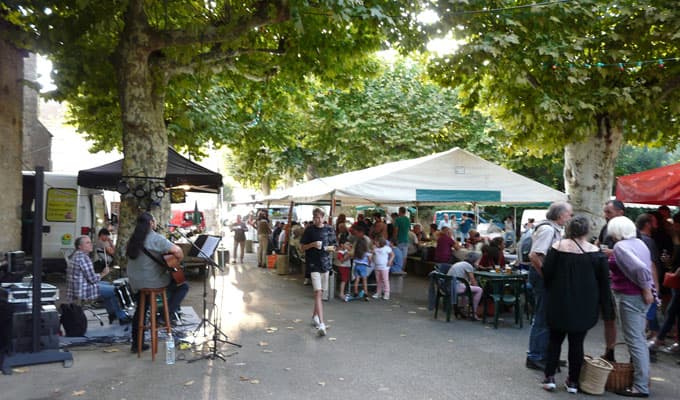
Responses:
[235,303]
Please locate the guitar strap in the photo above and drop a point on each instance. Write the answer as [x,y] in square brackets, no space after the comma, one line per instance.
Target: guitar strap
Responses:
[161,262]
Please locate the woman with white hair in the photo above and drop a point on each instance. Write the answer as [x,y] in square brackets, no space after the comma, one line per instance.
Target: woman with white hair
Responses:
[632,284]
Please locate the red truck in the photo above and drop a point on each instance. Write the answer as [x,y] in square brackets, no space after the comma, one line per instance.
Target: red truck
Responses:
[185,219]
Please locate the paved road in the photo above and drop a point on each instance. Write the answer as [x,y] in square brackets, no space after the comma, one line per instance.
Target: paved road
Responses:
[376,350]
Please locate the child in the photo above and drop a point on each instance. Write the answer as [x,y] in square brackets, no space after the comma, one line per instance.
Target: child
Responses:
[344,263]
[361,259]
[382,259]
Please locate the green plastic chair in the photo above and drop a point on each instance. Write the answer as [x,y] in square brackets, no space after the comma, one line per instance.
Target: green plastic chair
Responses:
[505,292]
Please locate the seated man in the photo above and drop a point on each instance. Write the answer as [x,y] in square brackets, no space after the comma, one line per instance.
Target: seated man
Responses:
[84,284]
[104,249]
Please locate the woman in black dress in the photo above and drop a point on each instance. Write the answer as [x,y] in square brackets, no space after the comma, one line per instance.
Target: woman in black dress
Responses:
[576,279]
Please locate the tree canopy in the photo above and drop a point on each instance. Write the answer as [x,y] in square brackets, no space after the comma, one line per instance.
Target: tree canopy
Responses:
[583,76]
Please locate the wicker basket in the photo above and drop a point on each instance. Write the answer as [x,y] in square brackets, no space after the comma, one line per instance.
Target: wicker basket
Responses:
[621,376]
[594,374]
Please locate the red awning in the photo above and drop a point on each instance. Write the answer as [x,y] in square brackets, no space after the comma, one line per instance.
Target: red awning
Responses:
[656,186]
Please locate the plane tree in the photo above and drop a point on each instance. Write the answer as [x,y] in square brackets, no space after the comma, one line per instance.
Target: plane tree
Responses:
[115,61]
[579,77]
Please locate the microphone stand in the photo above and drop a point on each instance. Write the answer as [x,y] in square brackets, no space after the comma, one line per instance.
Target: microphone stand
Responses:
[205,322]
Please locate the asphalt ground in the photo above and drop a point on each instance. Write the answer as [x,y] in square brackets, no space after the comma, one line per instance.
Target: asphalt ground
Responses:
[375,350]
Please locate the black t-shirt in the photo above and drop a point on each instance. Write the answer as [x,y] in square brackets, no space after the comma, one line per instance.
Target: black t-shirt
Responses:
[318,260]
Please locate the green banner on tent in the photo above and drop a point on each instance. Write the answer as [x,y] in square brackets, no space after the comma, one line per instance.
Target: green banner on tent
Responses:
[423,195]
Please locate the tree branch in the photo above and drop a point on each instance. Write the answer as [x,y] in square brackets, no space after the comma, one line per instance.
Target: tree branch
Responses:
[533,81]
[225,31]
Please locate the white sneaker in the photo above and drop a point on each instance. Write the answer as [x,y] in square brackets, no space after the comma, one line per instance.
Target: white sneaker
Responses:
[306,282]
[322,329]
[386,297]
[376,296]
[315,321]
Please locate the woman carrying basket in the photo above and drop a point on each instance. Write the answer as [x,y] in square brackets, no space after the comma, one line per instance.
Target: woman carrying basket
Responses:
[633,287]
[577,287]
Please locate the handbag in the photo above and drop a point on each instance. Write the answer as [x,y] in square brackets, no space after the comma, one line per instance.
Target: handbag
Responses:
[73,320]
[671,280]
[621,376]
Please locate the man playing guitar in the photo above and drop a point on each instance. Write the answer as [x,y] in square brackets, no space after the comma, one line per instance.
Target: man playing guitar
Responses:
[147,269]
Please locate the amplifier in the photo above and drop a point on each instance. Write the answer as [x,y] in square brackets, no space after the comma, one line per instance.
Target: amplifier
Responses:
[15,293]
[16,333]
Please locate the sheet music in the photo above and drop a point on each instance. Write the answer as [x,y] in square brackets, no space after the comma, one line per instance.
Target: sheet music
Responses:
[210,245]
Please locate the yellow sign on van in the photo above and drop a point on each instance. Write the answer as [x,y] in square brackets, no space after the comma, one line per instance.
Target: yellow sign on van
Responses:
[61,205]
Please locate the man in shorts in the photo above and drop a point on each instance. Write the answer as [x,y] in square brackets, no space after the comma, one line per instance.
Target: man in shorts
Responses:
[318,240]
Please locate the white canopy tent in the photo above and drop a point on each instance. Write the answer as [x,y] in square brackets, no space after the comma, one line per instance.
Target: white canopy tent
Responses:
[451,176]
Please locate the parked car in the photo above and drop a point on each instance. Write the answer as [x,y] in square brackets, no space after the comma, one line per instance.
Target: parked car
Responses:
[458,214]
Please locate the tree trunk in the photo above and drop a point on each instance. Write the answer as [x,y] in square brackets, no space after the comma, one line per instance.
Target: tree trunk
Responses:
[145,139]
[589,169]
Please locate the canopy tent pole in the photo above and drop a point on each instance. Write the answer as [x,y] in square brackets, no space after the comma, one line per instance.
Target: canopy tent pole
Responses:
[286,237]
[332,211]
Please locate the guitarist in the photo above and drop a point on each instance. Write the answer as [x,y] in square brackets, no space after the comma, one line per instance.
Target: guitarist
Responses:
[145,252]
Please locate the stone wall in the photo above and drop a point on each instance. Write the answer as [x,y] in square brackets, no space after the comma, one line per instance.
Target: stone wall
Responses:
[11,99]
[37,139]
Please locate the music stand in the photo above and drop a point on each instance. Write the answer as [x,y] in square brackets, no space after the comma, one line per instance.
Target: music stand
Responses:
[204,248]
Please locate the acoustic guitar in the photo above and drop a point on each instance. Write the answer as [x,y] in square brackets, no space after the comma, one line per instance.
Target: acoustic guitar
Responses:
[176,269]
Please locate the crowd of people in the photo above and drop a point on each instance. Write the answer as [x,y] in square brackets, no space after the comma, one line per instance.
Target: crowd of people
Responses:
[577,279]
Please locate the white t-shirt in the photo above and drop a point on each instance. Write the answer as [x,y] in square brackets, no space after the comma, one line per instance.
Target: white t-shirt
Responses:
[380,257]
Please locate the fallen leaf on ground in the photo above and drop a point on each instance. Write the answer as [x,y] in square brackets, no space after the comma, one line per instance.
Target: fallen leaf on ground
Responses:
[383,389]
[322,383]
[657,379]
[297,320]
[240,364]
[332,339]
[188,383]
[78,393]
[290,327]
[341,379]
[243,378]
[262,344]
[450,340]
[111,350]
[403,335]
[422,308]
[20,370]
[286,369]
[330,320]
[389,309]
[266,351]
[254,381]
[272,329]
[411,312]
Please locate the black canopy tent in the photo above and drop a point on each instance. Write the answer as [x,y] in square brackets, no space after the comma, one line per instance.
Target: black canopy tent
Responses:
[180,172]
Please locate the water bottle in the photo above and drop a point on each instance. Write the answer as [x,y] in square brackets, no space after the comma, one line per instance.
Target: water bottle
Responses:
[169,349]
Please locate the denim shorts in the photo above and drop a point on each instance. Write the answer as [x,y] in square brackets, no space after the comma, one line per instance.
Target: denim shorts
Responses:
[361,270]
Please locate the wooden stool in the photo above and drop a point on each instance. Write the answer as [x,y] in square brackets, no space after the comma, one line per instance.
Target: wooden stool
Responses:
[151,293]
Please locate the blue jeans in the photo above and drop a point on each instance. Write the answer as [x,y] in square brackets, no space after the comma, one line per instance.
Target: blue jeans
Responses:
[539,335]
[108,295]
[632,312]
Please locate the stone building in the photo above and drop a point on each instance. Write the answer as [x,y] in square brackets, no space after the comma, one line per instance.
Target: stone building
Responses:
[24,142]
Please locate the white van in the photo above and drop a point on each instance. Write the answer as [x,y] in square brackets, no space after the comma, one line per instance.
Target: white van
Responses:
[69,211]
[537,215]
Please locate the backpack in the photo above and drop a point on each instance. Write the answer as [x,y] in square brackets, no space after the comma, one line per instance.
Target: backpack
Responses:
[73,319]
[526,241]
